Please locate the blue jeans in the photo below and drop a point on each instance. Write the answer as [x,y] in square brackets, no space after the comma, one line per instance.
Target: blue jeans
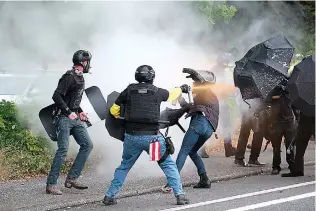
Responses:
[133,146]
[199,131]
[80,134]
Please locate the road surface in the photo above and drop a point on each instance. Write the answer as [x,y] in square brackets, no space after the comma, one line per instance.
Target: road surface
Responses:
[263,192]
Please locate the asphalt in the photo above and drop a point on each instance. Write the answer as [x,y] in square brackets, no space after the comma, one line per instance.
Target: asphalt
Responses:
[226,195]
[144,178]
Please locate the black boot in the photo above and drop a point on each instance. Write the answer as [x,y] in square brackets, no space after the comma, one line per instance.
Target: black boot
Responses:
[241,162]
[276,170]
[69,183]
[109,201]
[256,162]
[229,150]
[181,200]
[293,174]
[204,182]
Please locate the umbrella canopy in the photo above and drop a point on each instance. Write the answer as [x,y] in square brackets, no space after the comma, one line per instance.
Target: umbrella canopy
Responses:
[301,86]
[263,68]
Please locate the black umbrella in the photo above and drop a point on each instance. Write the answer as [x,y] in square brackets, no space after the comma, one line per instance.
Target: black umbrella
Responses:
[263,68]
[301,86]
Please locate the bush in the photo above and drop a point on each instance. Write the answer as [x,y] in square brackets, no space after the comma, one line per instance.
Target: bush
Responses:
[23,153]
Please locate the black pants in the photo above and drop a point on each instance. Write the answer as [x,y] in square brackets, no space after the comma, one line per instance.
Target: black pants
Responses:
[288,130]
[306,128]
[257,138]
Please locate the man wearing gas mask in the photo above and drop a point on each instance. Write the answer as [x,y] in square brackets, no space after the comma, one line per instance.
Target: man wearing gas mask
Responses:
[69,117]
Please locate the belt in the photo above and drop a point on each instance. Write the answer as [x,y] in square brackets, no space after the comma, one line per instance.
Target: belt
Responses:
[142,133]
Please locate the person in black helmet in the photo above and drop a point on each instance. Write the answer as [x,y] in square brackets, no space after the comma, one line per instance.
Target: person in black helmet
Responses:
[68,117]
[141,102]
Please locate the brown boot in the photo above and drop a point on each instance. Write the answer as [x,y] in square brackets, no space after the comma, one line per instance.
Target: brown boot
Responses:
[52,189]
[69,183]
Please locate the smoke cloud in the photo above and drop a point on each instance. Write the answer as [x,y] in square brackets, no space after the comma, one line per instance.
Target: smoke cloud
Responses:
[121,36]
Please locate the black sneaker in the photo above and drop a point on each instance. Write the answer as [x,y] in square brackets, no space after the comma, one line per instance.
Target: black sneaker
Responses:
[109,201]
[275,171]
[256,163]
[181,200]
[240,162]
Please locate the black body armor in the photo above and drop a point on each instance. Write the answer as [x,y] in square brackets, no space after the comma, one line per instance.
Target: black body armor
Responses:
[142,104]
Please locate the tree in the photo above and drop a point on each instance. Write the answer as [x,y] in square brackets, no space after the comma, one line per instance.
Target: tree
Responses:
[214,12]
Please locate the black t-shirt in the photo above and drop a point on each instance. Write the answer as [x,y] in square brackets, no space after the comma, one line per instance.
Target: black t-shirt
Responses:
[162,95]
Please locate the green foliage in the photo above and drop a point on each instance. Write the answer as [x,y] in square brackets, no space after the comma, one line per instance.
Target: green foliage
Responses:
[214,12]
[24,153]
[307,44]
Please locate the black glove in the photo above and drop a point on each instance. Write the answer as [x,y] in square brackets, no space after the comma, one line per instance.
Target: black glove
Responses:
[193,74]
[185,88]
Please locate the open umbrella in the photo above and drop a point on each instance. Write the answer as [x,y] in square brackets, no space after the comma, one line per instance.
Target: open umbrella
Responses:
[301,86]
[263,68]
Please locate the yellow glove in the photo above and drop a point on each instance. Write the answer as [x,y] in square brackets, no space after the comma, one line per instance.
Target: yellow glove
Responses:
[115,110]
[174,94]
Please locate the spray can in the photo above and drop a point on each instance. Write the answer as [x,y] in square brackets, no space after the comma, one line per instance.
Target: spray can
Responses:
[190,95]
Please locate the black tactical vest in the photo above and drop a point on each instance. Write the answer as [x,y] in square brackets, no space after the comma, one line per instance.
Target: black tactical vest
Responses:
[142,104]
[76,91]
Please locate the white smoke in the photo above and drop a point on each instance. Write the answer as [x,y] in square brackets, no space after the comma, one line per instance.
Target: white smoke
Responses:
[121,36]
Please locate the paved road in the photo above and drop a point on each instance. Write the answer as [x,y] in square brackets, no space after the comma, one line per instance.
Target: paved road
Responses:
[263,192]
[30,195]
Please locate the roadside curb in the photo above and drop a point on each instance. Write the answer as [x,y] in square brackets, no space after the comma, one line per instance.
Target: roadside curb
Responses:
[158,189]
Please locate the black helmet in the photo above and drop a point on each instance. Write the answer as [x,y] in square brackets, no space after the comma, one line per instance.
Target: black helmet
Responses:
[144,73]
[81,56]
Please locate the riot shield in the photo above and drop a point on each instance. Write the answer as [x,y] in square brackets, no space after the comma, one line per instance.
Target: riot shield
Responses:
[172,116]
[115,127]
[92,103]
